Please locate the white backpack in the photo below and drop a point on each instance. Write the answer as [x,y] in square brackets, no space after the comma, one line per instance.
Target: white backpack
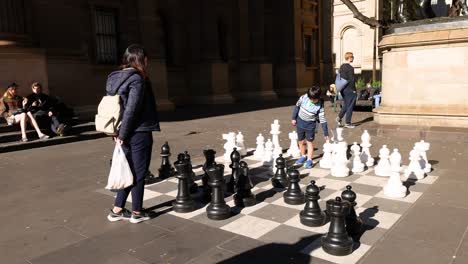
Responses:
[109,115]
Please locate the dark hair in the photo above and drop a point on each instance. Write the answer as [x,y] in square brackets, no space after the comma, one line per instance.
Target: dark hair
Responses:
[134,57]
[13,85]
[314,92]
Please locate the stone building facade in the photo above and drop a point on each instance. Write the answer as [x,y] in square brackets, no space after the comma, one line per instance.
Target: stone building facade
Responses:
[201,51]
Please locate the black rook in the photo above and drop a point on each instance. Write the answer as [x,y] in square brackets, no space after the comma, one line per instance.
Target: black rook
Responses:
[337,242]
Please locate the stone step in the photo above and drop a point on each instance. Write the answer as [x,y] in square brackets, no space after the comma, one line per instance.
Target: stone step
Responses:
[15,135]
[4,128]
[16,145]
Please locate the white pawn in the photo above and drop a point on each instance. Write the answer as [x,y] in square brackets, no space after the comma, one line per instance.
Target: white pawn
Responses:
[340,162]
[275,131]
[260,150]
[326,161]
[366,157]
[339,134]
[229,145]
[422,148]
[414,170]
[268,155]
[358,166]
[293,150]
[240,144]
[394,187]
[383,166]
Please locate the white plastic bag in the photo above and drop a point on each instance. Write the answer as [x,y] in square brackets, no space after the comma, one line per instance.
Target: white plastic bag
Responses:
[120,175]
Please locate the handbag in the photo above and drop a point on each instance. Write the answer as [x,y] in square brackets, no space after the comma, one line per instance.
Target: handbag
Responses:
[340,83]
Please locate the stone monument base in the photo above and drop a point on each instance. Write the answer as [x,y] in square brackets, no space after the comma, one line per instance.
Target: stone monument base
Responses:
[424,74]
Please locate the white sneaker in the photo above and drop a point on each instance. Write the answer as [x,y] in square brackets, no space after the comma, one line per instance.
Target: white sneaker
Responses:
[138,218]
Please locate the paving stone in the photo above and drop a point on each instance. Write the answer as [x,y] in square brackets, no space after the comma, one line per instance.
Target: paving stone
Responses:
[387,205]
[275,213]
[239,244]
[181,245]
[214,255]
[295,237]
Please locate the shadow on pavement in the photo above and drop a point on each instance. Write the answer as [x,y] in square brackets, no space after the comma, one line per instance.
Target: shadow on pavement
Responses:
[276,253]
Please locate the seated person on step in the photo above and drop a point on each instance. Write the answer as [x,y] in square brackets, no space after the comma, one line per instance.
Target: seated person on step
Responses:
[43,108]
[13,111]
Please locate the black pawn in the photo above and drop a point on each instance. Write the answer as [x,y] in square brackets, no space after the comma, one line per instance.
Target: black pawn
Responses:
[244,196]
[353,222]
[337,242]
[192,185]
[231,182]
[312,215]
[183,202]
[280,180]
[294,194]
[209,161]
[166,170]
[218,209]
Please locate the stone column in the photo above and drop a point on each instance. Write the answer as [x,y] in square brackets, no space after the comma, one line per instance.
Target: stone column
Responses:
[151,39]
[290,68]
[209,75]
[255,72]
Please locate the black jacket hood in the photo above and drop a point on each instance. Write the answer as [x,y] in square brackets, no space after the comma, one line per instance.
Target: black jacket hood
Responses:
[117,78]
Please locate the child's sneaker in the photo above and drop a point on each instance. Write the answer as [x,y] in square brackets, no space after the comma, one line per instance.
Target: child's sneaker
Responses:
[309,164]
[138,218]
[124,214]
[301,160]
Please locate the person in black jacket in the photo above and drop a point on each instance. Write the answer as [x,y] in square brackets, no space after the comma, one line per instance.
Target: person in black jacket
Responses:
[348,92]
[42,107]
[139,120]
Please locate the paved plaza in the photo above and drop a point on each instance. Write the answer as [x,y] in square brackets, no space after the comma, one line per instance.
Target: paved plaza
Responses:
[55,206]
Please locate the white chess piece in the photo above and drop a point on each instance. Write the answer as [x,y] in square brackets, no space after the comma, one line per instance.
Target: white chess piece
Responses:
[268,155]
[229,145]
[394,187]
[358,166]
[240,144]
[260,150]
[383,166]
[366,157]
[275,131]
[293,150]
[326,161]
[340,162]
[339,134]
[422,147]
[414,170]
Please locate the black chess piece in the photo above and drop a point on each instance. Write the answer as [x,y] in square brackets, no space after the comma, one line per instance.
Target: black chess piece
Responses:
[166,170]
[183,202]
[337,242]
[231,182]
[218,209]
[192,185]
[353,222]
[312,215]
[294,194]
[209,161]
[280,179]
[244,196]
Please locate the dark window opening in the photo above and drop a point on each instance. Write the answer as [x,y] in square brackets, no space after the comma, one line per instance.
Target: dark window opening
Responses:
[106,36]
[222,41]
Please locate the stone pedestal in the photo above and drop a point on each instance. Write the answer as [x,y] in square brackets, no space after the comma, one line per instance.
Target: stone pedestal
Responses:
[424,74]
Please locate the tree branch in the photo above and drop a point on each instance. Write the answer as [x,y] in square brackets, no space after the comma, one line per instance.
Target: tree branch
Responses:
[372,22]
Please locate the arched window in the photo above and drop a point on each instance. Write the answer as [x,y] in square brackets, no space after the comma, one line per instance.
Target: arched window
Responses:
[222,40]
[351,42]
[12,16]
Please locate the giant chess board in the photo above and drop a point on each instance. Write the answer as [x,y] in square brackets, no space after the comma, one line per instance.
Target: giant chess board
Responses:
[272,220]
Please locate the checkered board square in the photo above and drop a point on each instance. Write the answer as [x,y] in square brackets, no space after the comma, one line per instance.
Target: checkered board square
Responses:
[272,220]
